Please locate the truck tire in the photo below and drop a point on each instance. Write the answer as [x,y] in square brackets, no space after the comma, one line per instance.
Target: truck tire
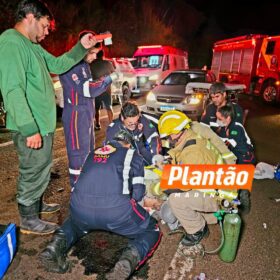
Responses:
[269,92]
[126,93]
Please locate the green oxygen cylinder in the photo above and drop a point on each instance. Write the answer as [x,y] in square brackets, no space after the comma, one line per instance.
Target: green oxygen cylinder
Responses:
[231,228]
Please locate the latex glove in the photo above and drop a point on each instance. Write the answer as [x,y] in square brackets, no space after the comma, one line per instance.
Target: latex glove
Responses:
[158,160]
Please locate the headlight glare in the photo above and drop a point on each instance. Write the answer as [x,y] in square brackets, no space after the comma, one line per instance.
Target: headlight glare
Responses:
[151,96]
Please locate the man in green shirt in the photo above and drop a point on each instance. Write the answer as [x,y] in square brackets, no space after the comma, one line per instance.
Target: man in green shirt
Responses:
[29,100]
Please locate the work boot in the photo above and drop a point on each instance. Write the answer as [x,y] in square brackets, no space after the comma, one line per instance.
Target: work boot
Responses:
[48,208]
[126,264]
[193,239]
[30,222]
[245,201]
[54,257]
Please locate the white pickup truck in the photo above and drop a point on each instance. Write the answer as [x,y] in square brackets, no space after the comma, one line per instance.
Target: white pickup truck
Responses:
[122,87]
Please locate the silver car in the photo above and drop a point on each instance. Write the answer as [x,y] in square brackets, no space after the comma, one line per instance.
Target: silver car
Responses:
[172,93]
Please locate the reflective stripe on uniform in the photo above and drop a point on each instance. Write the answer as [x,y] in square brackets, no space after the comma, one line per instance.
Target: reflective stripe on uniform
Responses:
[228,155]
[126,169]
[231,141]
[74,171]
[202,123]
[86,89]
[213,124]
[153,119]
[138,180]
[155,134]
[248,140]
[210,146]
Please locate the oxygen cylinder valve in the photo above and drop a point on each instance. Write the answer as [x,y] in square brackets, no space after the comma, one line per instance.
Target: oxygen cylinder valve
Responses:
[225,203]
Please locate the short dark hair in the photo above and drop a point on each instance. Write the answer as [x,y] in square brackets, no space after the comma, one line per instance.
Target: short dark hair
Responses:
[100,54]
[227,111]
[123,136]
[217,87]
[36,7]
[129,109]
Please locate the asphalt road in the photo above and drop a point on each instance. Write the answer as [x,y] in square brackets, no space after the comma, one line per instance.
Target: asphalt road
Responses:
[258,253]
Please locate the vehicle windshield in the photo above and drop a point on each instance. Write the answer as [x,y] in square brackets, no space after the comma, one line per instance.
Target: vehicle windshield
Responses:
[183,78]
[149,61]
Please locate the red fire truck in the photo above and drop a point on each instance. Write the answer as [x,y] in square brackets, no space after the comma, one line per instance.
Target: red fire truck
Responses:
[253,60]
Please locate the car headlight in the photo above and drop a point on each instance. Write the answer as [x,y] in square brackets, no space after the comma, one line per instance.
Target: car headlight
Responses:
[154,77]
[193,99]
[151,96]
[143,80]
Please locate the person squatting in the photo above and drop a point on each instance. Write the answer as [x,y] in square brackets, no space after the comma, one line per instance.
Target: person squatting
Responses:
[110,190]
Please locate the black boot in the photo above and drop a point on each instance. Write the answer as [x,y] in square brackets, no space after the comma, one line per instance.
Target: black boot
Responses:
[54,257]
[48,208]
[126,264]
[30,222]
[193,239]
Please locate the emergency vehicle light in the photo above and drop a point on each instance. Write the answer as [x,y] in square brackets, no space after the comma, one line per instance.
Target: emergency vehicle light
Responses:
[151,46]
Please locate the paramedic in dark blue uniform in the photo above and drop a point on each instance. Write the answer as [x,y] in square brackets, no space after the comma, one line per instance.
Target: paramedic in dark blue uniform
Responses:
[219,98]
[79,91]
[144,132]
[236,138]
[234,135]
[105,197]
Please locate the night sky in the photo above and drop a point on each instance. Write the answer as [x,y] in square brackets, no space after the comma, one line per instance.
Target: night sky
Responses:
[198,23]
[235,17]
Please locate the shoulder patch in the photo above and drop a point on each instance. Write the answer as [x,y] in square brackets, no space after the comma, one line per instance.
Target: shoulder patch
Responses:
[234,132]
[75,78]
[106,150]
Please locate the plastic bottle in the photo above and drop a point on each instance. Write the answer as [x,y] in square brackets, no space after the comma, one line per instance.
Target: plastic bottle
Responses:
[231,228]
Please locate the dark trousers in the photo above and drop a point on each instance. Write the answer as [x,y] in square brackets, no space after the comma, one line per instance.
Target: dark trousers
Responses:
[246,158]
[34,168]
[79,136]
[144,233]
